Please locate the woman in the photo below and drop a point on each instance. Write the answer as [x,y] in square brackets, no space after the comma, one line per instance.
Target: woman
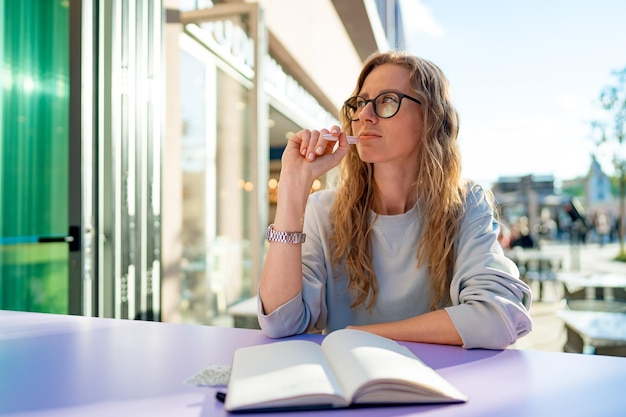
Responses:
[403,248]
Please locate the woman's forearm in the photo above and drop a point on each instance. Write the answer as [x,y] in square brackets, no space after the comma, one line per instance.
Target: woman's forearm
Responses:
[433,327]
[306,157]
[281,277]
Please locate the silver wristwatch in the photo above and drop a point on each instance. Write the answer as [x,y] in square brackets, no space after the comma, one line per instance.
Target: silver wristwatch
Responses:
[284,237]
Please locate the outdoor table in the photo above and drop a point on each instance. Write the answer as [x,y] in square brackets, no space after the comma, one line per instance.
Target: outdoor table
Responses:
[537,265]
[596,328]
[70,366]
[590,281]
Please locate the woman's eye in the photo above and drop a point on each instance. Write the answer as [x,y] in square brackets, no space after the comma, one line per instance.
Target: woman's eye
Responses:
[361,103]
[389,99]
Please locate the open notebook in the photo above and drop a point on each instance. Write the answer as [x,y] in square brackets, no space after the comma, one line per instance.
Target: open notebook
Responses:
[350,367]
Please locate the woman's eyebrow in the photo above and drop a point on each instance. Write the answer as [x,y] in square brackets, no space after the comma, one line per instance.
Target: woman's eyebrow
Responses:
[386,90]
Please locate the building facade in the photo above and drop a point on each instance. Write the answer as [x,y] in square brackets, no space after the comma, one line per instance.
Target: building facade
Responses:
[250,76]
[140,182]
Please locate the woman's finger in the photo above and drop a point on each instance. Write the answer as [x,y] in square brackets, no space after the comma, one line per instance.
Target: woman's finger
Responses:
[304,137]
[313,148]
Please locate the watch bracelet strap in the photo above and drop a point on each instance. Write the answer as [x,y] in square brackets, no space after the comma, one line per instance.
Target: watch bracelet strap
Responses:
[273,235]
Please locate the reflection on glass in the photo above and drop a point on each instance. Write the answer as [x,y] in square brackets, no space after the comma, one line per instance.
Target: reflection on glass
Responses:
[217,189]
[34,117]
[230,250]
[195,306]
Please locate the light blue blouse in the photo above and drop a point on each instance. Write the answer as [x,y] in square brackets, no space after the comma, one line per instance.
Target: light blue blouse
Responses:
[489,303]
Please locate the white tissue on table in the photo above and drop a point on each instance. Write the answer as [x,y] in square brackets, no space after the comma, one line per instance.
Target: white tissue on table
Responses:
[213,376]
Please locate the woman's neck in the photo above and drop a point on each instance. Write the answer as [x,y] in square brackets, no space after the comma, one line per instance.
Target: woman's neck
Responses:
[394,197]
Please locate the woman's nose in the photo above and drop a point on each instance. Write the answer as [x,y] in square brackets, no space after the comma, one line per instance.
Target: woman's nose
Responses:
[368,113]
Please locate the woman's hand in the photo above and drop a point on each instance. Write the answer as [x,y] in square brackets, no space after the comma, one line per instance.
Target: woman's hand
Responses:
[308,155]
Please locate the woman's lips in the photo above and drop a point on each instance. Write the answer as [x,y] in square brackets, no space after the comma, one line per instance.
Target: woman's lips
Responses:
[368,135]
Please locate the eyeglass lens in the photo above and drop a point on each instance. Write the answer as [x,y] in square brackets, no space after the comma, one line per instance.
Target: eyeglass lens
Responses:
[386,105]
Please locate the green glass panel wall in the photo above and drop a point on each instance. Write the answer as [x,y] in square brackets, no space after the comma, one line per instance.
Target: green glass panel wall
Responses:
[34,117]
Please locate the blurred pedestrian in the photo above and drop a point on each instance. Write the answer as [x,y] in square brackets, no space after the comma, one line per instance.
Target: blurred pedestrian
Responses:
[521,236]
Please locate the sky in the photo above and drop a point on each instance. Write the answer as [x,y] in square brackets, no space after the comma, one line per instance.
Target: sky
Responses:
[525,77]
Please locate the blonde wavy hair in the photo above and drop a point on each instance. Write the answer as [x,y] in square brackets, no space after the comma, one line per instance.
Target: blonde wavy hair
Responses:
[438,183]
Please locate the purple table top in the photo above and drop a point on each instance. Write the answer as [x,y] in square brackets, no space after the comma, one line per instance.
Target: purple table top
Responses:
[54,365]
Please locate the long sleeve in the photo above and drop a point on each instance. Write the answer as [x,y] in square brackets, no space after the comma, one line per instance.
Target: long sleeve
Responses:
[324,303]
[490,302]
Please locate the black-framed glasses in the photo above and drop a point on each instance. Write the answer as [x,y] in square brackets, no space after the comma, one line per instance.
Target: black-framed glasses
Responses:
[386,105]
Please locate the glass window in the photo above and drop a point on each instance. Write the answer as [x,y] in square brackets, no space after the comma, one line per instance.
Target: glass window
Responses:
[230,249]
[196,306]
[34,117]
[217,190]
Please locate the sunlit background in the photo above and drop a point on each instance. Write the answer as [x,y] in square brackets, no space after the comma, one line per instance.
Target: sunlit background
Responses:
[141,142]
[526,77]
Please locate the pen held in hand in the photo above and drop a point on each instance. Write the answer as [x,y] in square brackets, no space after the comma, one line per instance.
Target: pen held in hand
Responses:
[351,139]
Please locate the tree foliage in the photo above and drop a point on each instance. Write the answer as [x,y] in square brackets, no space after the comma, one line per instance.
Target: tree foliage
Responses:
[611,130]
[574,190]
